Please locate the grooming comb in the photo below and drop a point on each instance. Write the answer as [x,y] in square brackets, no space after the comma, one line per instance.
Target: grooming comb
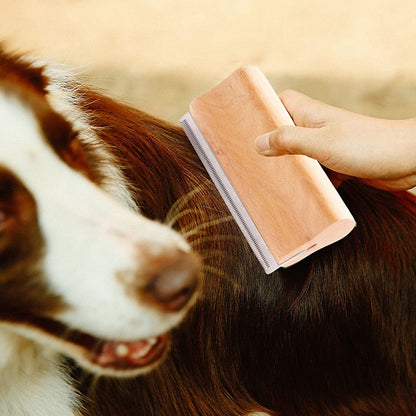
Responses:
[286,207]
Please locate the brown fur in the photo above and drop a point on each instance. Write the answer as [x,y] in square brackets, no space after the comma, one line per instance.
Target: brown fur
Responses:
[334,335]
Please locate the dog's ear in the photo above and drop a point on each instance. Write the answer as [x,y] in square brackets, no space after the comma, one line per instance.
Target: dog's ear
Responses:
[15,67]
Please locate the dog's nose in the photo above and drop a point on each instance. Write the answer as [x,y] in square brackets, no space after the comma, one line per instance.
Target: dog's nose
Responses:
[173,285]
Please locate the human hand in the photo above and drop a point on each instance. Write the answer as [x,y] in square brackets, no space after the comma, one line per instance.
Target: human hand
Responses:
[379,152]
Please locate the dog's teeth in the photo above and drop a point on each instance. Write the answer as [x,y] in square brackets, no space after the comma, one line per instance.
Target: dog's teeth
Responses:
[143,352]
[122,350]
[140,354]
[152,341]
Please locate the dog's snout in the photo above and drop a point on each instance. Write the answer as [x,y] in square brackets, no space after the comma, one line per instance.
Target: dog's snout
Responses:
[173,285]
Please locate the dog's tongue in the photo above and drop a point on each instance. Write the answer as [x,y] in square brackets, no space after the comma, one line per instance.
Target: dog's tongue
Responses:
[118,354]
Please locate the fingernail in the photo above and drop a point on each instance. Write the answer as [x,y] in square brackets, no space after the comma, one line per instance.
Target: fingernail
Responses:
[262,143]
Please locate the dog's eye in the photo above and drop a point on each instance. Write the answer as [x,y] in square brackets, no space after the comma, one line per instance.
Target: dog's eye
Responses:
[64,140]
[76,157]
[73,154]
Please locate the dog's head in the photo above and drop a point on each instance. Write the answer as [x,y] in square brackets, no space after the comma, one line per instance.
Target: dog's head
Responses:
[79,271]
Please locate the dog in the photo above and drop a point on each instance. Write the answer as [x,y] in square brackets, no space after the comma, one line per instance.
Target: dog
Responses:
[112,236]
[82,273]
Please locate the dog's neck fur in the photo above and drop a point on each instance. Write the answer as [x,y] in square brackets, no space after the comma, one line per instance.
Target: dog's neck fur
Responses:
[32,381]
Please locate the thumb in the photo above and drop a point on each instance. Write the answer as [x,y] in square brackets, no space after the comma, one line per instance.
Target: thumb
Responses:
[291,140]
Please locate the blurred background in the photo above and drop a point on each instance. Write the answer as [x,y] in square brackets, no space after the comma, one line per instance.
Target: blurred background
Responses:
[160,54]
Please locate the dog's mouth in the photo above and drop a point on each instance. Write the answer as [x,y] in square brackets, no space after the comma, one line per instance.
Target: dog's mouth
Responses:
[127,355]
[116,357]
[106,357]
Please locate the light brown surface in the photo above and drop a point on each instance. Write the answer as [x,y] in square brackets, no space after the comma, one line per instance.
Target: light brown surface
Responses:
[160,54]
[290,199]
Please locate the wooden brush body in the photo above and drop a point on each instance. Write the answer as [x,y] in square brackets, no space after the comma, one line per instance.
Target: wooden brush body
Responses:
[290,199]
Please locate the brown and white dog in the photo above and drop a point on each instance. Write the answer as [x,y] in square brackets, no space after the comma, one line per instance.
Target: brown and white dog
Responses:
[80,272]
[108,224]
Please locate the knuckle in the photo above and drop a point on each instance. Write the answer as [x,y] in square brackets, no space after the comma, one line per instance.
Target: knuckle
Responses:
[280,139]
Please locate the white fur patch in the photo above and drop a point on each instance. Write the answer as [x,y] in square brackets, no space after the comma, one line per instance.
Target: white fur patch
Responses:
[33,382]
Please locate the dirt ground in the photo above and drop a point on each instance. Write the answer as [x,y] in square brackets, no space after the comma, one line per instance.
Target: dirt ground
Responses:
[159,54]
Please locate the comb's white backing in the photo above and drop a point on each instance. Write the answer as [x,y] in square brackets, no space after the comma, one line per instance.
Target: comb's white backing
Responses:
[230,197]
